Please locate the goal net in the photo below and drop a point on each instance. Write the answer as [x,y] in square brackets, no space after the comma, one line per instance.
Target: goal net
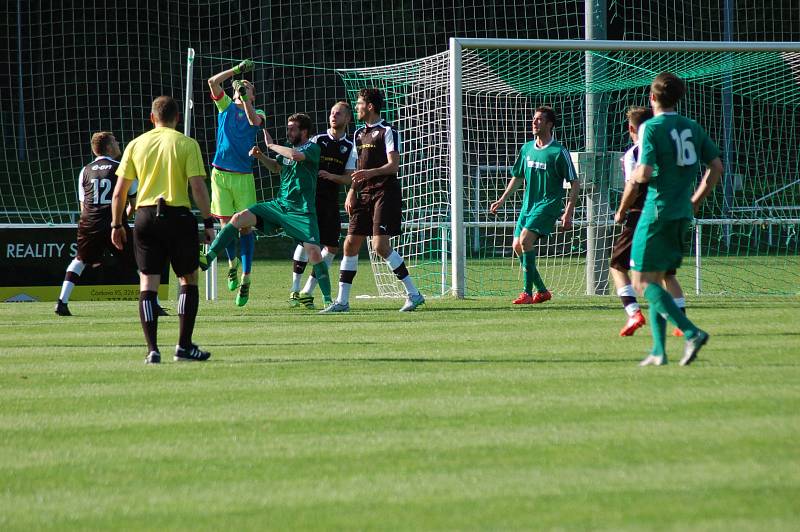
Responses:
[746,237]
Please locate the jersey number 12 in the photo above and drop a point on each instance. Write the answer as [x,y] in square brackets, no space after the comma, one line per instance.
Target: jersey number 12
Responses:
[686,154]
[101,188]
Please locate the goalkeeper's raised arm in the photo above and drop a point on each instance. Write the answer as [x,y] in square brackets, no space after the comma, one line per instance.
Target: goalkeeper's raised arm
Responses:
[243,90]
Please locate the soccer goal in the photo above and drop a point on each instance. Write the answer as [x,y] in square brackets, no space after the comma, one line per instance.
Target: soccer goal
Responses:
[463,115]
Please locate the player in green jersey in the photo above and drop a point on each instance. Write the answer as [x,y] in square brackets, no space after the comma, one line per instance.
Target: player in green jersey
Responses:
[295,207]
[672,147]
[543,164]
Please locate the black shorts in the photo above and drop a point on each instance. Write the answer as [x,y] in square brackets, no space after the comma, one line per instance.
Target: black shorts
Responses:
[93,241]
[621,252]
[378,212]
[330,224]
[172,237]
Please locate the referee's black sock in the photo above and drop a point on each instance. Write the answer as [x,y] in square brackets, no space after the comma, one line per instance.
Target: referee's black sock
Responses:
[148,315]
[188,303]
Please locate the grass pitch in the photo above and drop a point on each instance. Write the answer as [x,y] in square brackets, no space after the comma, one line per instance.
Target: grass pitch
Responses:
[464,415]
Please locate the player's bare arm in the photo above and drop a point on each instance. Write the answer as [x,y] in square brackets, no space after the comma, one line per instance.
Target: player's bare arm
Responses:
[118,202]
[343,179]
[510,188]
[271,164]
[572,200]
[350,201]
[390,168]
[200,194]
[286,151]
[247,95]
[131,206]
[710,180]
[215,82]
[641,174]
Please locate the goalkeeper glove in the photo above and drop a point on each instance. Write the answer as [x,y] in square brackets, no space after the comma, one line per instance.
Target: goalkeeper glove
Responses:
[240,86]
[244,66]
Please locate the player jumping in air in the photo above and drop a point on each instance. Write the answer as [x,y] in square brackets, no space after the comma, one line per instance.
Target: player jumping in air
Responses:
[232,183]
[294,209]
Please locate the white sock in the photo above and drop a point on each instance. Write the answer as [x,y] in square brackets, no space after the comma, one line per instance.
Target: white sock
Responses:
[328,257]
[300,253]
[66,291]
[410,288]
[296,279]
[300,256]
[680,301]
[348,264]
[75,267]
[628,291]
[394,261]
[311,282]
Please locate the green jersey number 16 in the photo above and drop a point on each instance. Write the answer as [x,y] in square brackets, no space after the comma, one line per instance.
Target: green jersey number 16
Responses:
[686,154]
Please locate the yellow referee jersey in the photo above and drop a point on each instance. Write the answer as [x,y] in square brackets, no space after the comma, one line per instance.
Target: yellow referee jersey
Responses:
[163,160]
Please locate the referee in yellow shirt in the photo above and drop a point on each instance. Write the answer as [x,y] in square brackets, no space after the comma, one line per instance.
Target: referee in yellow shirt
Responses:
[167,163]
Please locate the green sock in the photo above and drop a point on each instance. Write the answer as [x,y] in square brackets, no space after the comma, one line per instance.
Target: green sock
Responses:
[225,237]
[532,277]
[523,260]
[662,302]
[658,327]
[324,280]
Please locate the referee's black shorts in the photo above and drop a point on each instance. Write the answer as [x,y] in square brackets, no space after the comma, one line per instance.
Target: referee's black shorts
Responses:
[172,237]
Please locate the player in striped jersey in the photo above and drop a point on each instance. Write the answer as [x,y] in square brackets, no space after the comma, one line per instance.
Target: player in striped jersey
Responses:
[337,162]
[543,164]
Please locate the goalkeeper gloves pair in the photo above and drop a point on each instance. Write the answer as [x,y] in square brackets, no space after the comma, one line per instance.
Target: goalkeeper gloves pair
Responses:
[240,86]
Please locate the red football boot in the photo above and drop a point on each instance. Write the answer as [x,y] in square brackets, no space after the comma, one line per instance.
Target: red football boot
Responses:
[677,332]
[523,299]
[541,297]
[636,321]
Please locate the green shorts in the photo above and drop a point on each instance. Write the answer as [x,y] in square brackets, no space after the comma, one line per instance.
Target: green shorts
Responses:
[302,226]
[231,192]
[539,222]
[659,245]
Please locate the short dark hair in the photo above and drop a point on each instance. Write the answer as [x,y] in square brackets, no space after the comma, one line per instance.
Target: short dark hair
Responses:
[548,113]
[101,142]
[373,96]
[303,121]
[165,109]
[668,89]
[637,115]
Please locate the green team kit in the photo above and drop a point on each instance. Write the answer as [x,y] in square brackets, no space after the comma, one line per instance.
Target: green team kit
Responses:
[544,170]
[674,146]
[295,207]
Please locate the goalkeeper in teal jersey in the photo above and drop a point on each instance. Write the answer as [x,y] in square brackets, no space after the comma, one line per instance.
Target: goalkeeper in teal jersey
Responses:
[233,186]
[672,147]
[295,208]
[543,164]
